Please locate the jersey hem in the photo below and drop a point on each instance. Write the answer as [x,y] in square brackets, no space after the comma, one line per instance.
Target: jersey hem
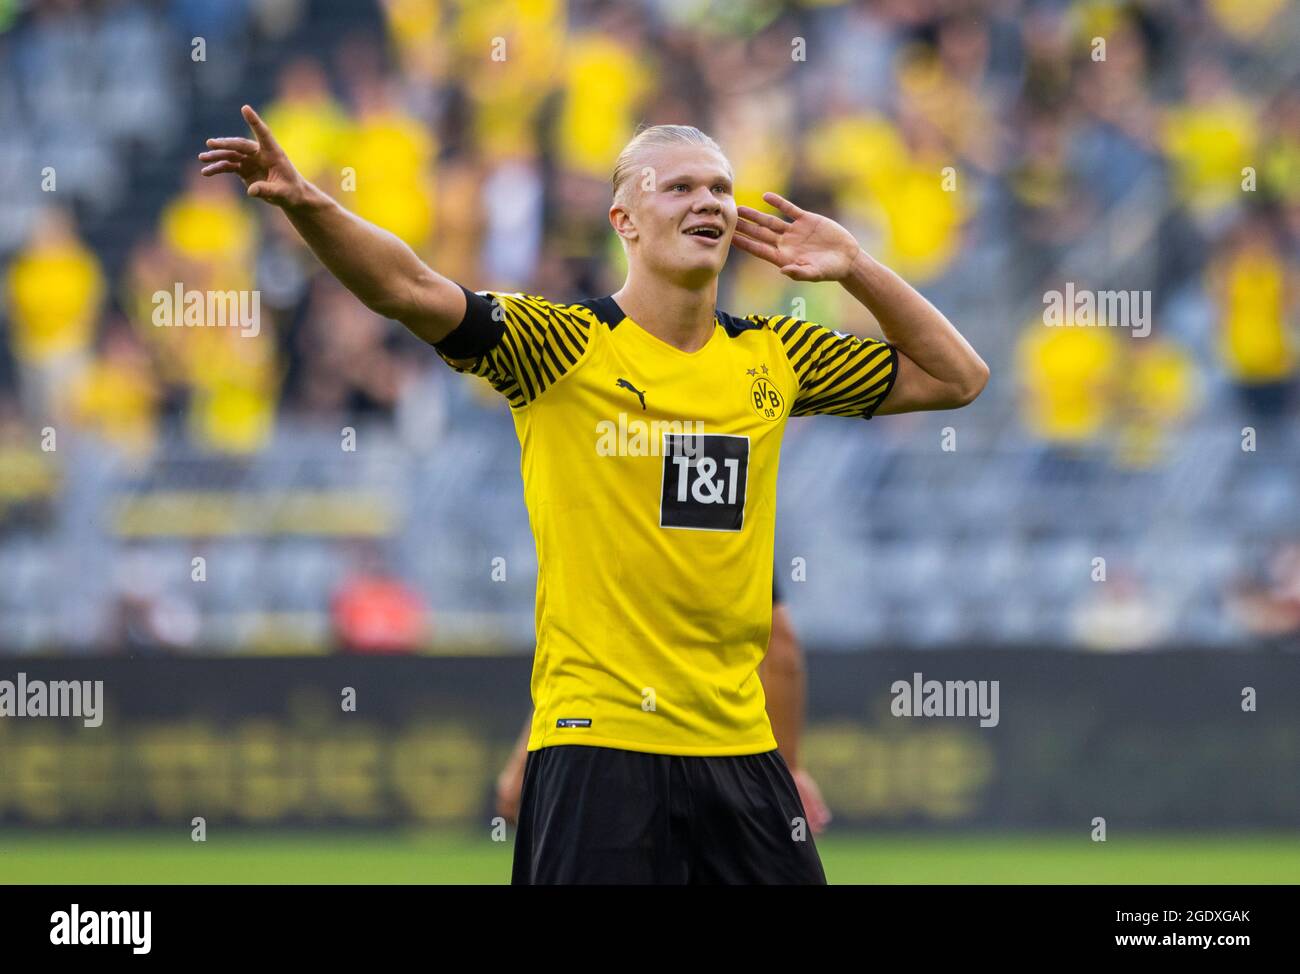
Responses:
[733,750]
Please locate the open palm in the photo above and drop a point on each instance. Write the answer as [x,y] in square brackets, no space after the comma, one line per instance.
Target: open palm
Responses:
[262,164]
[809,247]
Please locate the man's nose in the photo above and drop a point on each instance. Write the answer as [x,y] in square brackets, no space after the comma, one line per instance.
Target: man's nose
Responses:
[706,203]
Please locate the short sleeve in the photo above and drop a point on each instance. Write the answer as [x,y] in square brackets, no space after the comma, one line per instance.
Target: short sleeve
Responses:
[521,344]
[839,374]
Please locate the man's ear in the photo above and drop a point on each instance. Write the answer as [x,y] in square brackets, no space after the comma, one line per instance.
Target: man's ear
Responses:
[621,220]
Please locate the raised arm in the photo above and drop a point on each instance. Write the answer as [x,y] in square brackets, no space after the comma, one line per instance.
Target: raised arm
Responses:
[376,266]
[937,368]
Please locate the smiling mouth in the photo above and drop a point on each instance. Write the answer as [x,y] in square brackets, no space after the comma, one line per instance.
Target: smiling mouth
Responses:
[708,233]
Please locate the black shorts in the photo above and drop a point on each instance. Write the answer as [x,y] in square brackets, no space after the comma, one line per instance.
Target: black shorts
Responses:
[603,815]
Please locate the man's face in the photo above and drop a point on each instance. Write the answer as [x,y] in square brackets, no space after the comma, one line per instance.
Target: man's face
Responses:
[678,217]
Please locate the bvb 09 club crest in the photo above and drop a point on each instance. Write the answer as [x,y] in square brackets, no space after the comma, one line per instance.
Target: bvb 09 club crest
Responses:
[766,399]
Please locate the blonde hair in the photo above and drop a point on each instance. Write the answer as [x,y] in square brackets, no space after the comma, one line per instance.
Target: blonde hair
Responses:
[655,136]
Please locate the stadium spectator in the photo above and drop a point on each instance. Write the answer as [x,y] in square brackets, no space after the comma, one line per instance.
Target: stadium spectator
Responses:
[1281,159]
[605,83]
[148,612]
[345,365]
[1209,138]
[1269,607]
[55,287]
[392,154]
[1160,390]
[116,396]
[1254,294]
[375,611]
[31,481]
[314,123]
[1120,613]
[211,232]
[1068,375]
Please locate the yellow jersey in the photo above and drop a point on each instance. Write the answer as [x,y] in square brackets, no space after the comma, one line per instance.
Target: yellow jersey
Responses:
[650,481]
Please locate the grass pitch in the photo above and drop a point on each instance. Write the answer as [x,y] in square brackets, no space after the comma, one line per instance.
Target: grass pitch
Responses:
[849,857]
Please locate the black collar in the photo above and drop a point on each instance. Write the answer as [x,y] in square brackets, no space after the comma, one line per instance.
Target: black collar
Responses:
[605,309]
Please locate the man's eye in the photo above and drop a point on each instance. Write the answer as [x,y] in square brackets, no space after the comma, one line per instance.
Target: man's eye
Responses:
[720,188]
[679,186]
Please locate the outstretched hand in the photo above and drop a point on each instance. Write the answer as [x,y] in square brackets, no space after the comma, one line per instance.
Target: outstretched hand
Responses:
[809,247]
[262,165]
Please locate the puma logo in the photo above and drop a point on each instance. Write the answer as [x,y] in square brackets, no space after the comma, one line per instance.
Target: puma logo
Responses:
[624,384]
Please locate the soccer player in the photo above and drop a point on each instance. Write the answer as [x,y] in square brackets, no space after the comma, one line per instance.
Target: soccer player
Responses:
[650,424]
[782,676]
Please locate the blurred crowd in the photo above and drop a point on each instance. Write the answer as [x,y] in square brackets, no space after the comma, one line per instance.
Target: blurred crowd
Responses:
[988,150]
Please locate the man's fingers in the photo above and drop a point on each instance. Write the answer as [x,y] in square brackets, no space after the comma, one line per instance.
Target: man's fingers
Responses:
[756,247]
[783,204]
[222,155]
[773,223]
[259,128]
[758,232]
[237,143]
[751,246]
[216,168]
